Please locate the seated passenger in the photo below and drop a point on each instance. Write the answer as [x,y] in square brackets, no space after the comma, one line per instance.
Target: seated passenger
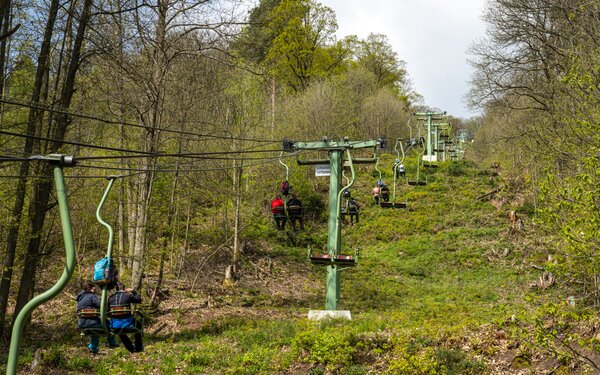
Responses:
[88,300]
[385,193]
[123,299]
[376,194]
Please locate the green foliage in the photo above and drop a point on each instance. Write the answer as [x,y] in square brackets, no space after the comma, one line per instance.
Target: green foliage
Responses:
[303,47]
[331,347]
[376,55]
[558,329]
[54,357]
[455,362]
[460,167]
[569,208]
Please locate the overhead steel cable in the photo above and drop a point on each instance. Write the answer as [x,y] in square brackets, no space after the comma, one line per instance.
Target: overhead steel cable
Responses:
[77,143]
[4,158]
[48,108]
[74,176]
[142,154]
[179,170]
[197,155]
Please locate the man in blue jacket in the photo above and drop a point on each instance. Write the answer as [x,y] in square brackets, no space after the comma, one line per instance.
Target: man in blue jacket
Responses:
[88,309]
[122,318]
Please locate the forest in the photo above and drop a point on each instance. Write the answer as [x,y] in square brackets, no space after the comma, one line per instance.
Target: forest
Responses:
[189,107]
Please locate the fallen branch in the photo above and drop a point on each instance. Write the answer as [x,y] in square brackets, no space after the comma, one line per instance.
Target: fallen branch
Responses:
[490,193]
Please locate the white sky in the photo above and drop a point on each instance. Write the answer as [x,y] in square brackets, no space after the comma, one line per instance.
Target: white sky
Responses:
[431,36]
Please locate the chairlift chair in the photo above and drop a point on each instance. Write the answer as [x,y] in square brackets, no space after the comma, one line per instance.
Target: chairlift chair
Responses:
[418,182]
[117,311]
[399,160]
[101,313]
[339,260]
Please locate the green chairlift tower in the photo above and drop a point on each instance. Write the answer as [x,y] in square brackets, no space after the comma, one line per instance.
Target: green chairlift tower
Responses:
[441,137]
[334,260]
[430,156]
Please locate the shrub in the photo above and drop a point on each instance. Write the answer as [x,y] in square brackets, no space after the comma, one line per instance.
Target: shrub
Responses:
[331,348]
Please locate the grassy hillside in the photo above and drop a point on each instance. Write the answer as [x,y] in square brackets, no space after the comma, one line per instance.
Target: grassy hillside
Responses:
[436,291]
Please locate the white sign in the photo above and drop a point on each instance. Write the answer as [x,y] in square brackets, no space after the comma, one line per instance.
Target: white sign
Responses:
[322,170]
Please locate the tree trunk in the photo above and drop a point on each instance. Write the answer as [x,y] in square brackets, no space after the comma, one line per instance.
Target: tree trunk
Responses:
[34,116]
[272,104]
[237,221]
[122,233]
[132,208]
[149,140]
[165,244]
[5,21]
[188,219]
[41,190]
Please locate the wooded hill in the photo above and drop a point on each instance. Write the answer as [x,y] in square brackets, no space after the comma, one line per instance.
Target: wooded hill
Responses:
[188,103]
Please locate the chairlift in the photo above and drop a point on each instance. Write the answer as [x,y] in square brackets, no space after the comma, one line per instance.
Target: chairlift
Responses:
[418,182]
[285,186]
[339,260]
[399,160]
[346,195]
[101,313]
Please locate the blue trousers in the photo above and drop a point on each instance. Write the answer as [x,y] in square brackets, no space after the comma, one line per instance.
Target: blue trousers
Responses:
[95,339]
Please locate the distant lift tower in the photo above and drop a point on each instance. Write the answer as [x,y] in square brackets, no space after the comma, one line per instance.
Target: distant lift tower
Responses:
[441,139]
[430,155]
[334,260]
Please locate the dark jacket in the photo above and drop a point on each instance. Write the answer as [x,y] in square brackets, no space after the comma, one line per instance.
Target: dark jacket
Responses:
[122,298]
[353,206]
[295,207]
[88,300]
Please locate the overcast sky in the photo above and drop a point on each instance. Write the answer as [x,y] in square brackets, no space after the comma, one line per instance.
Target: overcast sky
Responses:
[431,36]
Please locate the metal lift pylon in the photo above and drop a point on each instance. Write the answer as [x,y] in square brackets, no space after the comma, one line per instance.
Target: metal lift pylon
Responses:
[334,260]
[429,156]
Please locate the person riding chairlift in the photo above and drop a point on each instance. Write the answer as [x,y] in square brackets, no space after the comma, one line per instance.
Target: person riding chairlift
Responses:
[399,169]
[353,209]
[285,188]
[294,206]
[278,210]
[376,193]
[385,193]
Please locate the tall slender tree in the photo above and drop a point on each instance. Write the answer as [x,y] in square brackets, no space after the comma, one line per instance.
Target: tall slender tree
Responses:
[35,116]
[40,193]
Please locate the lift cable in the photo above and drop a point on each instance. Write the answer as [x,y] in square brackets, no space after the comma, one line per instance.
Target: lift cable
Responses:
[143,154]
[48,108]
[76,143]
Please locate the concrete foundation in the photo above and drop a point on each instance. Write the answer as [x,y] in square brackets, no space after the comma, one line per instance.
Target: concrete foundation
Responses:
[329,314]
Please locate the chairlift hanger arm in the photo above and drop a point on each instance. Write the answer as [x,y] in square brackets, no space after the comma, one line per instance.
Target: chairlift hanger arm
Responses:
[287,169]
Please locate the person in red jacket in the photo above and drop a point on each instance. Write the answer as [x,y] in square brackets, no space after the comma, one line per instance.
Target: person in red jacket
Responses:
[278,210]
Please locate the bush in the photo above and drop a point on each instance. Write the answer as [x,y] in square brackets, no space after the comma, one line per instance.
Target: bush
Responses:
[459,168]
[53,357]
[331,348]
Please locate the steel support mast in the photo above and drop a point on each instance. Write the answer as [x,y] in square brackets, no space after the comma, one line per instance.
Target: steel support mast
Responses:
[335,160]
